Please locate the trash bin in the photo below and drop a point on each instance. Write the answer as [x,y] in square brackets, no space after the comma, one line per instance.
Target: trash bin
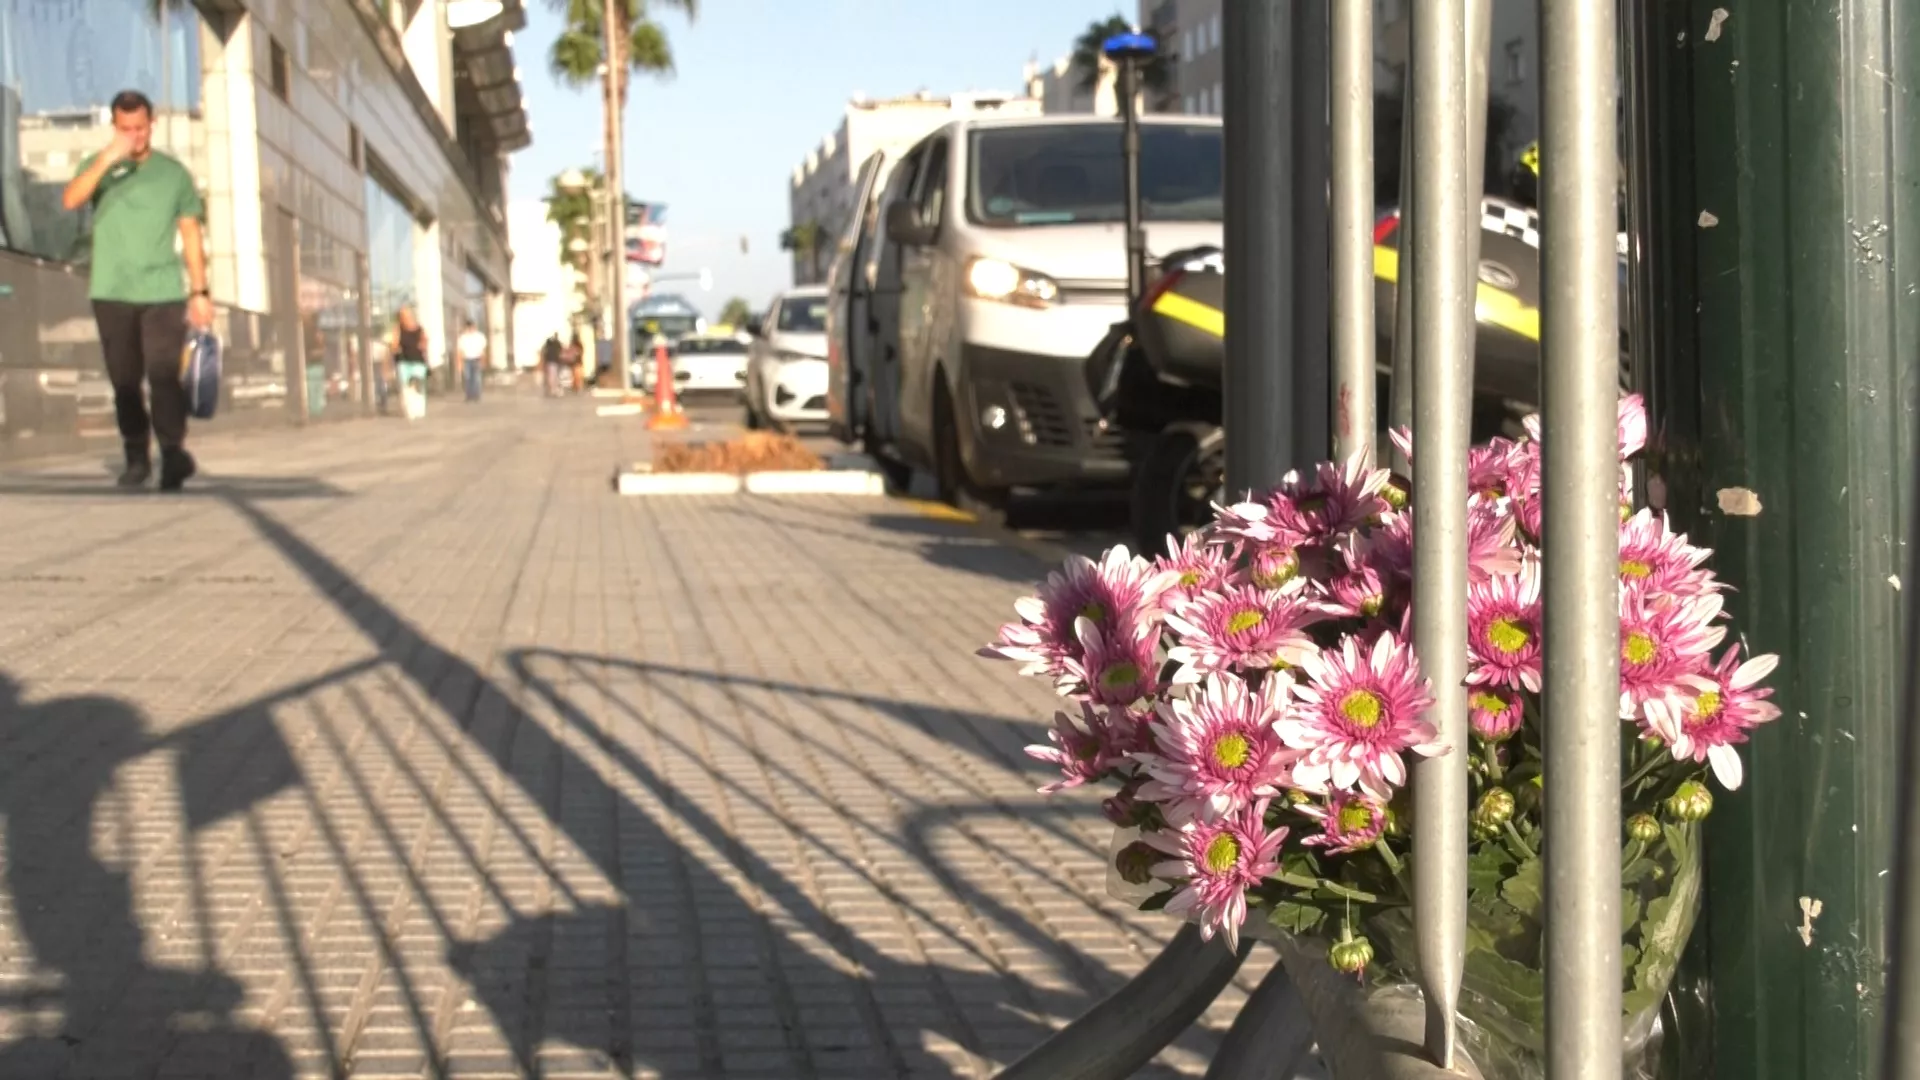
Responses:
[316,389]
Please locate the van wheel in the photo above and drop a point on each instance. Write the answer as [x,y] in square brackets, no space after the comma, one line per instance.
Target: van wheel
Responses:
[1175,486]
[949,473]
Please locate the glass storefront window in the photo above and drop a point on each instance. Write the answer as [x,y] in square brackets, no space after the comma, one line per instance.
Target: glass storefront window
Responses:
[391,234]
[60,63]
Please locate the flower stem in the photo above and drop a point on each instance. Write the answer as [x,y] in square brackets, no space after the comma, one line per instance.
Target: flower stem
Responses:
[1513,834]
[1386,853]
[1334,887]
[1645,771]
[1491,751]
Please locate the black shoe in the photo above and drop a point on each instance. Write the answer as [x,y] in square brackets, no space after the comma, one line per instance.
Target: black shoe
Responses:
[136,474]
[175,467]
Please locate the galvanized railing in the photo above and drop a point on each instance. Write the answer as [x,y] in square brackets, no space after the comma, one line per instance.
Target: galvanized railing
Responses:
[1281,57]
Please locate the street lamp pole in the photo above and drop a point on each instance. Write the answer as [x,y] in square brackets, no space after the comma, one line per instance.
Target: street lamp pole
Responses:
[616,199]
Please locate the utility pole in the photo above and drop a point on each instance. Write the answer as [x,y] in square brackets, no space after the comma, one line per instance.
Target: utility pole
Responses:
[616,197]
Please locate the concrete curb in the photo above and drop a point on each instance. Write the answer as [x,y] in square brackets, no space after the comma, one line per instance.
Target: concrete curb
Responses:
[826,482]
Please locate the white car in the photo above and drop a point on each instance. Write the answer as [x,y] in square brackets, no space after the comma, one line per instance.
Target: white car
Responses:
[702,364]
[787,375]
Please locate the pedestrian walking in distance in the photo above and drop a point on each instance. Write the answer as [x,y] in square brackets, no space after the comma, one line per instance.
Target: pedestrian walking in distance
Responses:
[410,363]
[145,290]
[473,358]
[550,352]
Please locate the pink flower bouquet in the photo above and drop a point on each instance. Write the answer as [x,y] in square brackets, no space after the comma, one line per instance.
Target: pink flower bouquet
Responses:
[1255,699]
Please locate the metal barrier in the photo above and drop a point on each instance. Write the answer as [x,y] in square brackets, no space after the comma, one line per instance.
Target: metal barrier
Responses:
[1279,416]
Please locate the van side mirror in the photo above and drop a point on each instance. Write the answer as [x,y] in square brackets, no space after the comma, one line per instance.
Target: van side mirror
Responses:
[904,226]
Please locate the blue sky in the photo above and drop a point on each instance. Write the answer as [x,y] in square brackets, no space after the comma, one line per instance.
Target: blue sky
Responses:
[761,82]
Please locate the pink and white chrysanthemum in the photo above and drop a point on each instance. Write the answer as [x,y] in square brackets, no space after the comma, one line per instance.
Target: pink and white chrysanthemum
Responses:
[1348,823]
[1216,750]
[1388,550]
[1494,714]
[1658,562]
[1492,547]
[1334,500]
[1242,628]
[1503,630]
[1662,644]
[1115,593]
[1272,566]
[1360,593]
[1197,564]
[1494,469]
[1715,712]
[1084,750]
[1630,425]
[1354,714]
[1215,863]
[1113,669]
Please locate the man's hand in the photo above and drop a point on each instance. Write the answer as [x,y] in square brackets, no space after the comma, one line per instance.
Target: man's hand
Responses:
[200,313]
[118,149]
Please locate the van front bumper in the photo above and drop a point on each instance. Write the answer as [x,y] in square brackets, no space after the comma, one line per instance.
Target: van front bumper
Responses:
[1027,420]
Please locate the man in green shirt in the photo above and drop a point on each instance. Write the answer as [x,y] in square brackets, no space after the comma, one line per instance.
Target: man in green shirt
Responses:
[149,282]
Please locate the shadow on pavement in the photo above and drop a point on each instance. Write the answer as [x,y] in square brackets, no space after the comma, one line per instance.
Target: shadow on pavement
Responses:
[76,913]
[685,971]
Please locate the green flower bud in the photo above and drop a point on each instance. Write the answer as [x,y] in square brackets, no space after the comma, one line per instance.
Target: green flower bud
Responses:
[1135,863]
[1643,827]
[1494,810]
[1351,955]
[1396,824]
[1690,802]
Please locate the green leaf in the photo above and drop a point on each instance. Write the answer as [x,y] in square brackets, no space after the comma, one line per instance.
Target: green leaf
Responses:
[1629,912]
[1293,918]
[1487,868]
[1629,956]
[1157,900]
[1517,989]
[1679,841]
[1525,890]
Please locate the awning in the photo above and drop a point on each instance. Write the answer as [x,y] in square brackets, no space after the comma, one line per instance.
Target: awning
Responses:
[486,82]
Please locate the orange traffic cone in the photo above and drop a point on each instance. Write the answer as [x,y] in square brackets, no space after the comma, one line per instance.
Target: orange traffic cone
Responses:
[667,415]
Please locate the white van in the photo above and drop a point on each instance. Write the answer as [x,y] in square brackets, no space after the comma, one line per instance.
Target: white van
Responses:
[999,265]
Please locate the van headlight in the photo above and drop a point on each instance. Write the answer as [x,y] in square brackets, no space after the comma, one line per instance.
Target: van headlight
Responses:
[994,279]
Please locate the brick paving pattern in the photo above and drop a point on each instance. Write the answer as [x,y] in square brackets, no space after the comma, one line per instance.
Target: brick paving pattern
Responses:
[413,751]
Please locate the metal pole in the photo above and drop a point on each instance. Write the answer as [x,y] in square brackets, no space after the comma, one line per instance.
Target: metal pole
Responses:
[1130,177]
[1901,1051]
[1353,329]
[617,201]
[1400,384]
[1257,383]
[1581,549]
[1312,175]
[1442,392]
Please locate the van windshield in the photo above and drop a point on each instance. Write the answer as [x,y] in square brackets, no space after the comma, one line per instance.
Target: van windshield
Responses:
[1067,173]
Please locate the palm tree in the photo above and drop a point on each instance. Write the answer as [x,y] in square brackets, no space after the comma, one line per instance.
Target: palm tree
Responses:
[578,53]
[1155,74]
[805,240]
[571,210]
[736,313]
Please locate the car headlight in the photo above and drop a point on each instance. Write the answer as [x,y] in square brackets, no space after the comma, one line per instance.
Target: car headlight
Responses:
[994,279]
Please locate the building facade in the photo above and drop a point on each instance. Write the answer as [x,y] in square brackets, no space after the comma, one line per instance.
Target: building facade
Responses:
[1191,30]
[820,191]
[352,157]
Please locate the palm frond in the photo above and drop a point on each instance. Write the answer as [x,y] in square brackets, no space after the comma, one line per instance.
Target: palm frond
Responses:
[576,57]
[648,50]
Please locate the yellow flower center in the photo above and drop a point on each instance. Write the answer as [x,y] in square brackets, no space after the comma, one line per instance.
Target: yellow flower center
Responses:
[1635,568]
[1190,579]
[1093,611]
[1356,817]
[1639,648]
[1509,635]
[1487,703]
[1362,708]
[1222,853]
[1231,750]
[1244,620]
[1311,504]
[1705,708]
[1119,676]
[1371,606]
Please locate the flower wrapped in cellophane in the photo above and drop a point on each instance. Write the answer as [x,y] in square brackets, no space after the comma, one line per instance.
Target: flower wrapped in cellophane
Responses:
[1254,696]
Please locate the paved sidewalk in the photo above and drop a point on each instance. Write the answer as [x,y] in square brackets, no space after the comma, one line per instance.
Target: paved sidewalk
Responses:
[413,751]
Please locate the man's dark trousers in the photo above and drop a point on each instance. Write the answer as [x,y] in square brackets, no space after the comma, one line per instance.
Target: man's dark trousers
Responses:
[144,341]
